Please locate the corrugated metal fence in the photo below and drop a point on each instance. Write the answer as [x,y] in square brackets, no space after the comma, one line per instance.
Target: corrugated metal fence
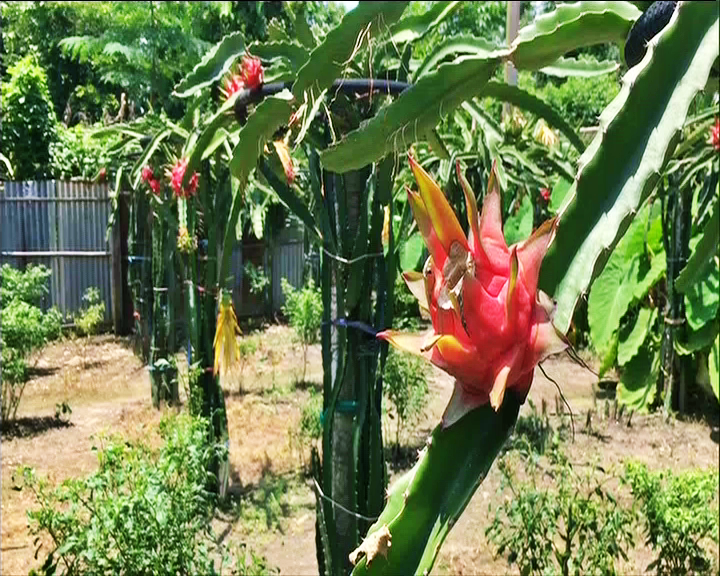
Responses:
[62,225]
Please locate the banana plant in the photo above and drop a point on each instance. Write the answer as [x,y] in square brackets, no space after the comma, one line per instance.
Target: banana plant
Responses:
[664,313]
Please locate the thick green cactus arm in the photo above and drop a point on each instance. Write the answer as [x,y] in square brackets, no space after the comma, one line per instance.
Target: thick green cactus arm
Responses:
[213,65]
[571,26]
[327,61]
[418,110]
[425,503]
[639,130]
[261,125]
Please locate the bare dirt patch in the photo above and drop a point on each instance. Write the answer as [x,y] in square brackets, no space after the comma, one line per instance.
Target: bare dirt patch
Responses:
[272,505]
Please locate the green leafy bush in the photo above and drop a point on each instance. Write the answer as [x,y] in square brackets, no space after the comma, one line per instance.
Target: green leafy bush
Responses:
[257,278]
[406,388]
[145,510]
[310,428]
[90,317]
[28,120]
[304,310]
[29,285]
[680,516]
[25,329]
[574,527]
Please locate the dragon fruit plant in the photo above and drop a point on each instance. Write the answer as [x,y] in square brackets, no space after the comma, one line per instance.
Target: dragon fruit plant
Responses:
[491,322]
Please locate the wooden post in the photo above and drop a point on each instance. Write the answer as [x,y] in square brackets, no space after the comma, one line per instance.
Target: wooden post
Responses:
[512,25]
[116,276]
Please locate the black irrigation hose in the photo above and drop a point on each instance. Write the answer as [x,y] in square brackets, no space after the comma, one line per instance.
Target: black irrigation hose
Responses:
[654,19]
[348,86]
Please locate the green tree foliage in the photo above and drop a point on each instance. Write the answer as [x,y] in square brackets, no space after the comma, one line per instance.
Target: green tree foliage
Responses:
[580,100]
[38,27]
[78,153]
[28,119]
[94,51]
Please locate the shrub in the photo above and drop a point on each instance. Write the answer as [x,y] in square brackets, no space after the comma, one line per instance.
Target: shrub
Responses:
[310,428]
[680,515]
[28,119]
[29,285]
[304,310]
[247,348]
[89,319]
[576,527]
[144,510]
[406,388]
[25,329]
[257,278]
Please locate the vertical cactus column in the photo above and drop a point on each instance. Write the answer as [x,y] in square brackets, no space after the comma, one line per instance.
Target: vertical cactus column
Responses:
[139,267]
[163,375]
[199,272]
[353,472]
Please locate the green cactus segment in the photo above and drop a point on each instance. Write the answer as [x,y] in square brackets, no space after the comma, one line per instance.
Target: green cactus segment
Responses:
[270,114]
[327,61]
[415,112]
[617,173]
[571,26]
[294,53]
[146,155]
[565,67]
[213,65]
[462,44]
[425,503]
[210,138]
[415,26]
[418,110]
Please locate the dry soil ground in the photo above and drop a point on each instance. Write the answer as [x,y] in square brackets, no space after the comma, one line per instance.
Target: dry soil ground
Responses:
[108,390]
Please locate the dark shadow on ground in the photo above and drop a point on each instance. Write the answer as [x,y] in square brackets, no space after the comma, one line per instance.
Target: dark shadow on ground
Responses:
[307,385]
[700,406]
[249,325]
[263,501]
[28,427]
[605,389]
[40,371]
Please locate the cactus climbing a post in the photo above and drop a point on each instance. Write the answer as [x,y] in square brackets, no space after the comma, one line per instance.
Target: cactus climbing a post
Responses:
[163,374]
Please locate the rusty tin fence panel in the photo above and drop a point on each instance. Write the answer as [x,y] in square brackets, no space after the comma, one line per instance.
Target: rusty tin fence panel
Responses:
[63,226]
